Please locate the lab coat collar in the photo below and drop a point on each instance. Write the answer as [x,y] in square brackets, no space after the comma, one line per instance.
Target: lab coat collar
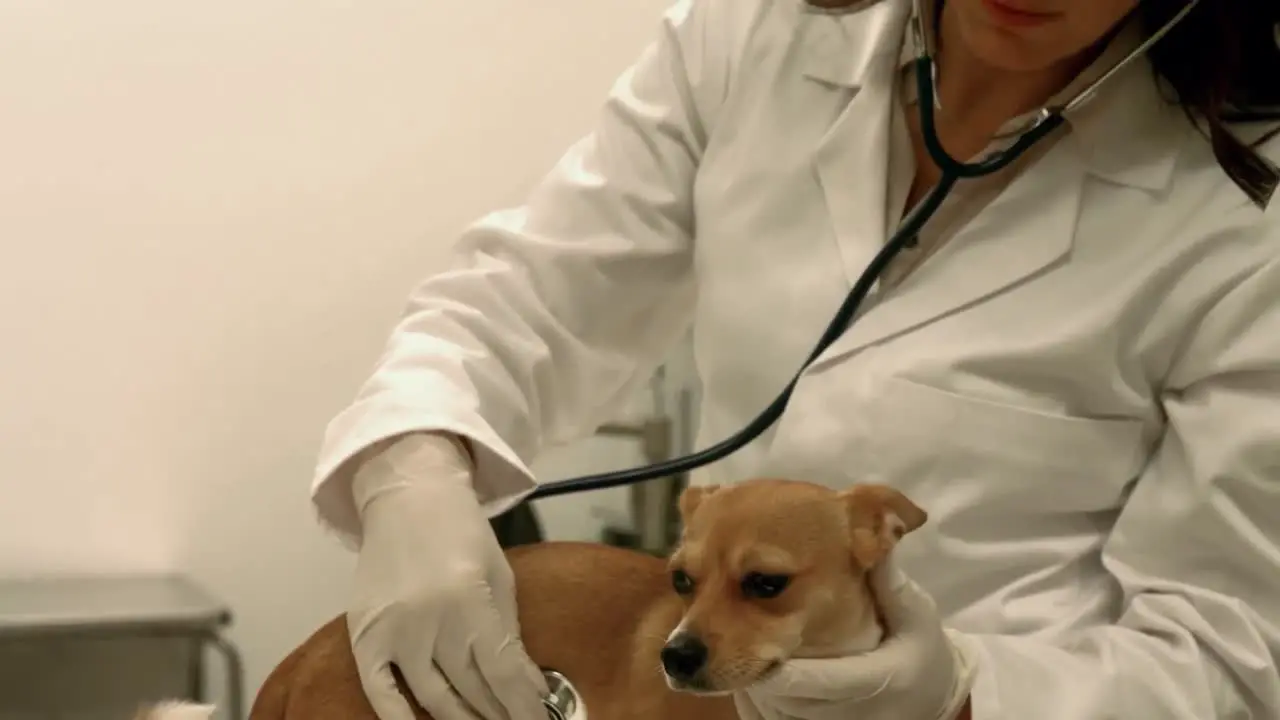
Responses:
[989,255]
[854,53]
[1126,135]
[840,46]
[851,164]
[1129,134]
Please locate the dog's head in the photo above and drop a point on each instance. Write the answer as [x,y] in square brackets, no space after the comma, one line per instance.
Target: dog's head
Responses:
[774,569]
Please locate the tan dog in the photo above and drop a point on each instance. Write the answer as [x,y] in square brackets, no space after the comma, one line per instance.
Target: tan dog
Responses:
[766,570]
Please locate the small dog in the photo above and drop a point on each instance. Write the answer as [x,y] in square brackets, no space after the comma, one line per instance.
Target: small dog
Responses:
[765,570]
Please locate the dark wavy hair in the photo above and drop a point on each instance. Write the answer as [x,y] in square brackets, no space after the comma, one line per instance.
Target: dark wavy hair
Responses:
[1222,63]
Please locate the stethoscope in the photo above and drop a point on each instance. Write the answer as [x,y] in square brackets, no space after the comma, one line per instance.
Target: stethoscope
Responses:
[1038,125]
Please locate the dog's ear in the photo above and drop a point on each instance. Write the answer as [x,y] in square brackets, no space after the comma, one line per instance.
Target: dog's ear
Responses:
[879,516]
[692,497]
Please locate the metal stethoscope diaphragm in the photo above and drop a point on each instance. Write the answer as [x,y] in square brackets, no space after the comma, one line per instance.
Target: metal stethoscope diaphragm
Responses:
[563,701]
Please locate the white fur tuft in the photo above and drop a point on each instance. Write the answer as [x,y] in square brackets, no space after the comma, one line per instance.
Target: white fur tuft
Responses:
[177,710]
[895,526]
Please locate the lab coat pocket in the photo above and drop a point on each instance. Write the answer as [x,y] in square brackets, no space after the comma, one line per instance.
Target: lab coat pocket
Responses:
[964,452]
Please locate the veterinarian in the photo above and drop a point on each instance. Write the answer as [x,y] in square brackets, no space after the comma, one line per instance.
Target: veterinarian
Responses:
[1075,370]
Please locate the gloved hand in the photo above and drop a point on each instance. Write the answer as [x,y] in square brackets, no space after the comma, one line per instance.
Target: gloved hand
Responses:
[921,672]
[434,593]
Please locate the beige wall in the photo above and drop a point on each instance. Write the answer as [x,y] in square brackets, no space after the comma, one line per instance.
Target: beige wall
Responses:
[210,214]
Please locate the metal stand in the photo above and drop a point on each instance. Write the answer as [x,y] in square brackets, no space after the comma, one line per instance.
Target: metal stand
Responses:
[139,607]
[662,436]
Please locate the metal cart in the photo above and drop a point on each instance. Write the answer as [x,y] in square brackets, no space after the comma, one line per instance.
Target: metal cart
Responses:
[44,619]
[666,433]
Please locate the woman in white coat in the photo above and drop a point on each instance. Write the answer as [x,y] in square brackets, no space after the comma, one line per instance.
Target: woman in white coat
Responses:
[1076,371]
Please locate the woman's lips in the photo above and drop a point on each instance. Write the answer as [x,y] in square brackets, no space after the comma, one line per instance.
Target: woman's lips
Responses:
[1005,14]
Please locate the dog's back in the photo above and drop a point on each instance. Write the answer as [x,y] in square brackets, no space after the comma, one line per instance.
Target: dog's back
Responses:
[597,614]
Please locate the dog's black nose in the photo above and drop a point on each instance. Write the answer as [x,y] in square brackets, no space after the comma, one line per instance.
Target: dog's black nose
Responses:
[683,656]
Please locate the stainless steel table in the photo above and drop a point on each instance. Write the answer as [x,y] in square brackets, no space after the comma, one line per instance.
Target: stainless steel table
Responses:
[148,606]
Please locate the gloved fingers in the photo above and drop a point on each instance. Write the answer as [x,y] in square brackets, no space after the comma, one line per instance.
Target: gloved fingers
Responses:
[502,592]
[454,658]
[513,677]
[502,588]
[902,602]
[828,679]
[748,710]
[509,644]
[488,667]
[897,664]
[889,574]
[433,692]
[380,687]
[492,652]
[781,707]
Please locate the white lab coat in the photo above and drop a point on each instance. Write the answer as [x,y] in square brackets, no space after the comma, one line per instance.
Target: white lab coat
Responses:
[1082,387]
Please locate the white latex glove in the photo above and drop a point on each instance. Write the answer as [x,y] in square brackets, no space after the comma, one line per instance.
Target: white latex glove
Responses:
[921,672]
[434,593]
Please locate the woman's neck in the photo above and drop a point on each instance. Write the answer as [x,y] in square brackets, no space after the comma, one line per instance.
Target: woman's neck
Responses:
[973,92]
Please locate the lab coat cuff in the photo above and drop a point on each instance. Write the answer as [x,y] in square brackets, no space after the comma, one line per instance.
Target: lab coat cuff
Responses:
[501,479]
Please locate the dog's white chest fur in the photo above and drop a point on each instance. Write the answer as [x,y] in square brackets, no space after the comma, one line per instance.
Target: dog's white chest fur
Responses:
[178,711]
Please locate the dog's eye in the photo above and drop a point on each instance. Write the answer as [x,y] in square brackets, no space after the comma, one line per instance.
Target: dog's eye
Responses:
[760,585]
[681,582]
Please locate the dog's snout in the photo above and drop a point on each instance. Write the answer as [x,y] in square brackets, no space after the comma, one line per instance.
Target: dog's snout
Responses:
[683,656]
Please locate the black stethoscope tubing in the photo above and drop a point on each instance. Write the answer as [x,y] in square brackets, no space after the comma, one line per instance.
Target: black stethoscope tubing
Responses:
[905,236]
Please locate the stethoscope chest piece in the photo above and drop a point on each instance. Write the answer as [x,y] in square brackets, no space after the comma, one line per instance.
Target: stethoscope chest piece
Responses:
[563,702]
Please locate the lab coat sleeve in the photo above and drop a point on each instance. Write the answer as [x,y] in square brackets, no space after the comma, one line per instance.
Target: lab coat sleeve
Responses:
[551,312]
[1195,551]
